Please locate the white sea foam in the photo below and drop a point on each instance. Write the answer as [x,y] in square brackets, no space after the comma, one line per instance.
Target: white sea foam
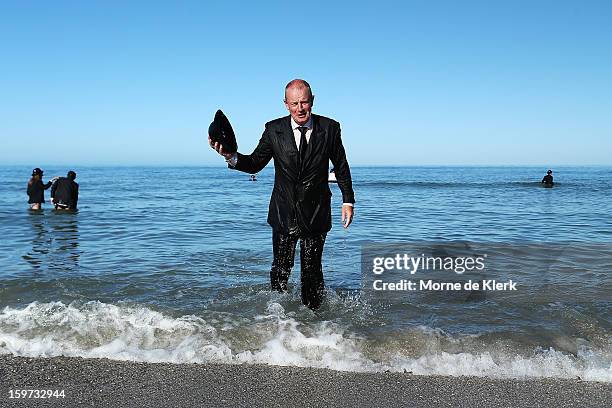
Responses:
[95,330]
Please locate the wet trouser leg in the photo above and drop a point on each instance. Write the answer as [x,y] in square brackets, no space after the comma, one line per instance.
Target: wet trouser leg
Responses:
[311,251]
[284,254]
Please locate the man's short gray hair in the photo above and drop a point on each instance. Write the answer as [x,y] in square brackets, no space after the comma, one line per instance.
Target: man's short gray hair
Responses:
[299,83]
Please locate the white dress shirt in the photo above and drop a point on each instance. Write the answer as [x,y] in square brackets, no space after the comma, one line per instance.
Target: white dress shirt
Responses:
[297,134]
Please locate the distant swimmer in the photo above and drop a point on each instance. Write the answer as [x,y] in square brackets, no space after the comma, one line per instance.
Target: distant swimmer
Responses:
[548,179]
[36,189]
[65,192]
[253,177]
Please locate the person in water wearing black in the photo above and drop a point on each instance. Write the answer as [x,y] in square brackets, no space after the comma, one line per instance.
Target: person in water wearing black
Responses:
[65,192]
[548,179]
[301,144]
[36,189]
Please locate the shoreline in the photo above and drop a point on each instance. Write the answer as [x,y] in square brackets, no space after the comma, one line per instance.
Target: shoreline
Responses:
[112,383]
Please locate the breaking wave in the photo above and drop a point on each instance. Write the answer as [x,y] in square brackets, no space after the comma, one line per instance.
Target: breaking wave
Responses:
[277,337]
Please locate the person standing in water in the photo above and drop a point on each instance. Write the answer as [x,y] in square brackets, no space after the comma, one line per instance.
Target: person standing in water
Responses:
[65,192]
[548,179]
[36,189]
[301,144]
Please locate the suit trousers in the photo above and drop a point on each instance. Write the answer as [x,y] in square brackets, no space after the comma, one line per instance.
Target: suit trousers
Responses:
[311,251]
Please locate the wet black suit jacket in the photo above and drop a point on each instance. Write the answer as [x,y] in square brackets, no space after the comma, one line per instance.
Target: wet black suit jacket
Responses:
[65,191]
[36,191]
[301,198]
[548,179]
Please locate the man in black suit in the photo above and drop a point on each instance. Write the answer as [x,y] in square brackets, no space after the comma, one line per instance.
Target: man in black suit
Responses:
[301,144]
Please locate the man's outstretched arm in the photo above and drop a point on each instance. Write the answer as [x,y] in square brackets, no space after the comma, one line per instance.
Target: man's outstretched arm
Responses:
[252,163]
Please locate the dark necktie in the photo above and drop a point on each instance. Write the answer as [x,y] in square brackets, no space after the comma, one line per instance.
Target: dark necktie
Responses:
[303,143]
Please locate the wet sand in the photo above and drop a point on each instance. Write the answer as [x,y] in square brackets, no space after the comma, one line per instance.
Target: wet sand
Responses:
[109,383]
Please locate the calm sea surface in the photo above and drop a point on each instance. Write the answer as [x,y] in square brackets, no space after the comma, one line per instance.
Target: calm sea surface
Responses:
[172,264]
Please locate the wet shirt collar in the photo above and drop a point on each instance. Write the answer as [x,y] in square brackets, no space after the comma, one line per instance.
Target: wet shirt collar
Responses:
[308,124]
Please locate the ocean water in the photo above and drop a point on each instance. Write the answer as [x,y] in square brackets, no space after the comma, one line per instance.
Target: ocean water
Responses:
[172,264]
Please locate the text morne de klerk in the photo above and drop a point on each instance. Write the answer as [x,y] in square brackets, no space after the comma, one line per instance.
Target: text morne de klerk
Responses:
[422,284]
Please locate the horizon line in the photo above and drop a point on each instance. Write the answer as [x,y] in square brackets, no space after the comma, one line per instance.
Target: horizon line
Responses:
[271,166]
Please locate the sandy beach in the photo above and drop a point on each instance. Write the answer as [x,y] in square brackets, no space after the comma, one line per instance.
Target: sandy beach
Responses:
[108,383]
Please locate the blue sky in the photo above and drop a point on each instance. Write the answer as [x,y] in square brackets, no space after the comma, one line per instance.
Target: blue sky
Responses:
[412,83]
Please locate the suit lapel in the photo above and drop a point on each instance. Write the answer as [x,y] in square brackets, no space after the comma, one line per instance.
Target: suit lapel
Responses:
[316,138]
[289,142]
[288,134]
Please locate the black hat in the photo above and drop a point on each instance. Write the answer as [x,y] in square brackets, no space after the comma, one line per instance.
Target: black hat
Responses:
[37,172]
[220,130]
[549,171]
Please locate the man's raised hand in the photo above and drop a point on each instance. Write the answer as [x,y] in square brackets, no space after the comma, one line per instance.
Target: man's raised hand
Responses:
[219,148]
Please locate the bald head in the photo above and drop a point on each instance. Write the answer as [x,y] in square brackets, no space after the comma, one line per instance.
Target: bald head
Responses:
[299,100]
[298,84]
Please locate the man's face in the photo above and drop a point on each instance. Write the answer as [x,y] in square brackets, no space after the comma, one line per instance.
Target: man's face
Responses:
[299,104]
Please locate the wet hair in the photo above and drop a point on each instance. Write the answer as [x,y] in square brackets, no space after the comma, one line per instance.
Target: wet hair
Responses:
[37,172]
[299,83]
[549,171]
[71,175]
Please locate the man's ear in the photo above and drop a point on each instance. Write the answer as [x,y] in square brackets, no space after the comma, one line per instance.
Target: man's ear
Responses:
[312,100]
